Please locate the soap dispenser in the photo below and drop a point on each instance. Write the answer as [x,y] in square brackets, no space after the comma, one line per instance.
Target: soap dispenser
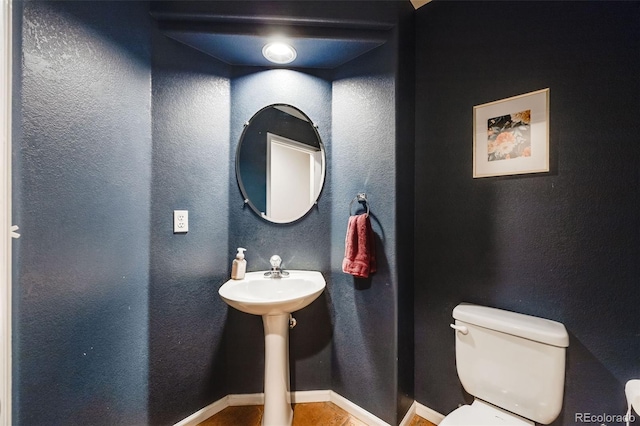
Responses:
[239,266]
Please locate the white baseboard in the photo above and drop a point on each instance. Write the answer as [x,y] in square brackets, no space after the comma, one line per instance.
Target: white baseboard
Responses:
[203,414]
[406,420]
[356,411]
[361,414]
[237,400]
[297,397]
[302,397]
[428,414]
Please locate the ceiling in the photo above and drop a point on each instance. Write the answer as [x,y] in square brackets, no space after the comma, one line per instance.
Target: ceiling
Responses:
[238,38]
[241,45]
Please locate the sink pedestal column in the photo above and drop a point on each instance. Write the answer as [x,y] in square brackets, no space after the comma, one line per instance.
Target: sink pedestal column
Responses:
[277,397]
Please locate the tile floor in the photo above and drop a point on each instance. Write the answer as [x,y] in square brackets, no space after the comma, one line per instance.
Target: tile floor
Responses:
[308,414]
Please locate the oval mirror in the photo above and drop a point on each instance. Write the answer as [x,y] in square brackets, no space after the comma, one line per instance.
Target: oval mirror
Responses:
[280,163]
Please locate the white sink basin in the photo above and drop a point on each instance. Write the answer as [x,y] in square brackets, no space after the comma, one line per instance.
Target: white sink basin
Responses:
[274,299]
[260,295]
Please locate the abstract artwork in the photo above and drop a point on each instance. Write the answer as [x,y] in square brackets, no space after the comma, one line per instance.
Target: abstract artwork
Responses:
[511,136]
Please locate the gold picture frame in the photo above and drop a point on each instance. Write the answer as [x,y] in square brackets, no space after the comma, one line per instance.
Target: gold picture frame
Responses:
[511,136]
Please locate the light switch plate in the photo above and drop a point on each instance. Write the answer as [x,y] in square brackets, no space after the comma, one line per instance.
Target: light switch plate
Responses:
[180,221]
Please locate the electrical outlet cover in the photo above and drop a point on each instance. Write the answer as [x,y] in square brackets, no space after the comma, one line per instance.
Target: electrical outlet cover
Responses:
[180,221]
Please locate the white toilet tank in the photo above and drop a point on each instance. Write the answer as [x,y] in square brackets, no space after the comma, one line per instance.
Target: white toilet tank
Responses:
[511,360]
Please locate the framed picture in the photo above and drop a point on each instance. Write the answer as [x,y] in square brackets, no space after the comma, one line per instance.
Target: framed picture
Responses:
[511,136]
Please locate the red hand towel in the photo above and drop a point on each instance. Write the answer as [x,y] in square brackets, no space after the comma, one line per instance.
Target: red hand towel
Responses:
[360,246]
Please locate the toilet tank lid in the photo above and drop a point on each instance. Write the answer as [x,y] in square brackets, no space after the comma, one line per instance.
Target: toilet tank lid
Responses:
[525,326]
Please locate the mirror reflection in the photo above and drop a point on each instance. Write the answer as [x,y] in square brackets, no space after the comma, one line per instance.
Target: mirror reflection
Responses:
[280,163]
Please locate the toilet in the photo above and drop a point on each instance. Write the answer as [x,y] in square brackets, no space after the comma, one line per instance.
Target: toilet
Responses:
[512,364]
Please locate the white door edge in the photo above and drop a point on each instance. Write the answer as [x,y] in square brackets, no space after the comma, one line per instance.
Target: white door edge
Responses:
[5,212]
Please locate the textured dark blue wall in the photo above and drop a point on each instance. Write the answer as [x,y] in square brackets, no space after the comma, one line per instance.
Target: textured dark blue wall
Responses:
[372,116]
[347,341]
[83,149]
[350,339]
[364,126]
[128,313]
[405,201]
[302,245]
[563,245]
[191,171]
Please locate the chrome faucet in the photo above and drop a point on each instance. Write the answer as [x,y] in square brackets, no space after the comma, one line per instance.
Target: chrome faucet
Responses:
[276,271]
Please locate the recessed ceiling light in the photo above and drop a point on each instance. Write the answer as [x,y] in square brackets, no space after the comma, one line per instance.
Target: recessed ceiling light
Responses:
[279,52]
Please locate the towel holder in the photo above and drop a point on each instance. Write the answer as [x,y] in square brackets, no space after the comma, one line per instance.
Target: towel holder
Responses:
[361,198]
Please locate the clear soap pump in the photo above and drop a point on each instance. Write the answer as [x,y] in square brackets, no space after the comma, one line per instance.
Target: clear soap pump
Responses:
[239,266]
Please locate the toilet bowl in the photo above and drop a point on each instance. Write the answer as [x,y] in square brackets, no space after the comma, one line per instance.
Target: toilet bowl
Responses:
[481,413]
[512,364]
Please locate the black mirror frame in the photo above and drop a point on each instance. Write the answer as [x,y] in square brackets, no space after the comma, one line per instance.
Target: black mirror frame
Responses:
[241,185]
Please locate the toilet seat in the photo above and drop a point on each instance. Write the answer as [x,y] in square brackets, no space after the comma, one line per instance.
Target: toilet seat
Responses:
[481,413]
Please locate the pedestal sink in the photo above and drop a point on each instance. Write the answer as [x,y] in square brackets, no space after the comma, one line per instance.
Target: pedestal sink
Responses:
[274,299]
